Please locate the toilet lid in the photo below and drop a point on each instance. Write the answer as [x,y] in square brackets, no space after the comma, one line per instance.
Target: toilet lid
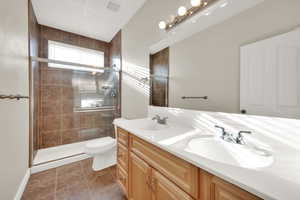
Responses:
[101,142]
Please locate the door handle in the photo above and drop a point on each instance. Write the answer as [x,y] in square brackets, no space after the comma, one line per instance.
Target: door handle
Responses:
[243,111]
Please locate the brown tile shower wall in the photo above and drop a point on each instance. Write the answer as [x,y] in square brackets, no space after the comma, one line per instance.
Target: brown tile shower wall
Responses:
[59,122]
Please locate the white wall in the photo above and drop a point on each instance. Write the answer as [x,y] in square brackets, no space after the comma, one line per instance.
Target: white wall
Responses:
[137,36]
[206,63]
[14,114]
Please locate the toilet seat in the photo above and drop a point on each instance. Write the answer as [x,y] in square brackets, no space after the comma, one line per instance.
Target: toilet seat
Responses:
[100,145]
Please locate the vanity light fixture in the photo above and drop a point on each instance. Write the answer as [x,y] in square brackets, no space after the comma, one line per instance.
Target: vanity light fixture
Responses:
[196,3]
[184,13]
[162,25]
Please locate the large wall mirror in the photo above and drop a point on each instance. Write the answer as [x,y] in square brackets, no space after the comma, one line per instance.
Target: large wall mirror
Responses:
[252,69]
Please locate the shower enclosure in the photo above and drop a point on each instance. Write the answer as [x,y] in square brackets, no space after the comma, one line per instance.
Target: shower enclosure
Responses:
[73,104]
[74,91]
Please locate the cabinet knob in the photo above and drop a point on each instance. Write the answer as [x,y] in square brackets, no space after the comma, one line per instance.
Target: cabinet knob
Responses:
[153,184]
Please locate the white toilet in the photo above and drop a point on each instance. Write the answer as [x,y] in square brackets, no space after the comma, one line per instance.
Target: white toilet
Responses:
[103,151]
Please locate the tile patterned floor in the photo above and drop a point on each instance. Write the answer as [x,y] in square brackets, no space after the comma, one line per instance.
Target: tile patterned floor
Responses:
[76,181]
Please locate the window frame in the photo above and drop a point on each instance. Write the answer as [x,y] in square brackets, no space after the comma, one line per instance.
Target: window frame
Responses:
[80,50]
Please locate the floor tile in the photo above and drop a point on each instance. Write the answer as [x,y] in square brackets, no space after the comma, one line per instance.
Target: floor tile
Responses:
[75,181]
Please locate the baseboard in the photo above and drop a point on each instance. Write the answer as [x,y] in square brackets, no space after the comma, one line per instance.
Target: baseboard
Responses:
[22,186]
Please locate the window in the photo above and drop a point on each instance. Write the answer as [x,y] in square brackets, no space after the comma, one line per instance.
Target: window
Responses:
[69,53]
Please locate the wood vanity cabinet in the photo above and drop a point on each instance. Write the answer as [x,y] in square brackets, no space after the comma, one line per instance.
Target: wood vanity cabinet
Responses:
[140,179]
[184,174]
[146,172]
[148,184]
[122,137]
[122,156]
[122,159]
[164,189]
[214,188]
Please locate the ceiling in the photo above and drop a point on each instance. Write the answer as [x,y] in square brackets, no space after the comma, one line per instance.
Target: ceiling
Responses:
[90,18]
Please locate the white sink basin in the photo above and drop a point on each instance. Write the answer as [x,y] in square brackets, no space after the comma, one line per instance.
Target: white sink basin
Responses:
[215,149]
[150,125]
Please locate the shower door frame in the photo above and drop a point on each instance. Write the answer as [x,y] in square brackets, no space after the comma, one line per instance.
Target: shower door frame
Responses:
[32,153]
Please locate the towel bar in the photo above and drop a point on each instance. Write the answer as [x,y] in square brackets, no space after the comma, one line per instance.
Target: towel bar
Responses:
[18,97]
[204,97]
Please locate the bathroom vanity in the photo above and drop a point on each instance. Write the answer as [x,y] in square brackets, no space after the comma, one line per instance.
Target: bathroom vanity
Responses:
[147,172]
[186,160]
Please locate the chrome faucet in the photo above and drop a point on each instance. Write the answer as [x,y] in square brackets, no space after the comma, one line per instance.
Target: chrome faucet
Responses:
[240,137]
[228,137]
[160,120]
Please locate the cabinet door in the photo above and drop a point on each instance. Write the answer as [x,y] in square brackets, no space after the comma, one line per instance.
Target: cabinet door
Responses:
[123,157]
[164,189]
[122,179]
[184,174]
[222,190]
[139,179]
[205,184]
[122,136]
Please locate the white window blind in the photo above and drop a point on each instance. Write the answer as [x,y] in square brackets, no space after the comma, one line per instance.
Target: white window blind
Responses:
[69,53]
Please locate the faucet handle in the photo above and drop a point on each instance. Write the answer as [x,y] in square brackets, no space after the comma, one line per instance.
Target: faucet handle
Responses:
[222,128]
[241,132]
[240,138]
[224,133]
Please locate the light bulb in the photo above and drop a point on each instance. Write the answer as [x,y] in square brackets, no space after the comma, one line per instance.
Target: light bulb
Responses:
[181,10]
[223,4]
[162,25]
[196,3]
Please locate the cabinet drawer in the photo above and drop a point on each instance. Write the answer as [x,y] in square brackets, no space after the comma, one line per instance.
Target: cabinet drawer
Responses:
[223,190]
[182,173]
[122,136]
[122,178]
[165,189]
[123,156]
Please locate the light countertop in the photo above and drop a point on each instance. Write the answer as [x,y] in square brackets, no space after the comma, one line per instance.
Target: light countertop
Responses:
[279,180]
